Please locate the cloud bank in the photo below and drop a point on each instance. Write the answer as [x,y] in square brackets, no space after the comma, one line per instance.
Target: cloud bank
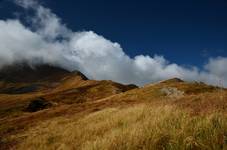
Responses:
[48,40]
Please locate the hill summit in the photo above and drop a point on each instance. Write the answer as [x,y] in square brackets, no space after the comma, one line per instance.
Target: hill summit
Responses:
[23,78]
[26,73]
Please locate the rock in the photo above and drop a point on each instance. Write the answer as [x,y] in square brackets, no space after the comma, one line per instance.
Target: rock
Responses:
[38,104]
[172,92]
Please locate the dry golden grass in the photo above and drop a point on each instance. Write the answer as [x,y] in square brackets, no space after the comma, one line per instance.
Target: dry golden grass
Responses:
[14,119]
[137,127]
[94,90]
[184,122]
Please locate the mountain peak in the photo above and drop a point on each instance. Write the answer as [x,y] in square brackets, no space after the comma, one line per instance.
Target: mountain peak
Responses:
[173,80]
[78,73]
[27,73]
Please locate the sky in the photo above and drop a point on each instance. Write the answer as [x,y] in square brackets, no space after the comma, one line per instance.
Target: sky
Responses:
[194,28]
[125,41]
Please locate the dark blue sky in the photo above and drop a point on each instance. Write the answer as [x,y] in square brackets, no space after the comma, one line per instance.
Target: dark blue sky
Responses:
[187,32]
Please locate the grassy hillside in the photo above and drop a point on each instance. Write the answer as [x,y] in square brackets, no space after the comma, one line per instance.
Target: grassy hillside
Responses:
[137,127]
[89,114]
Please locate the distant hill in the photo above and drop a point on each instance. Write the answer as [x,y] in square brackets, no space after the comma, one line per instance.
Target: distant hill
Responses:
[22,78]
[25,73]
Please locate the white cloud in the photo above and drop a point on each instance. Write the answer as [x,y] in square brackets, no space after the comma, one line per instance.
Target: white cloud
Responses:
[18,43]
[52,42]
[27,3]
[216,67]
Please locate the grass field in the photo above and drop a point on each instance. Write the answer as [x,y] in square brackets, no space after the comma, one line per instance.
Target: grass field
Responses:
[138,127]
[103,115]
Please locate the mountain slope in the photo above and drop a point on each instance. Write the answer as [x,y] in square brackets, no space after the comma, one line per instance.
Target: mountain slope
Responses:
[22,78]
[91,113]
[168,114]
[20,86]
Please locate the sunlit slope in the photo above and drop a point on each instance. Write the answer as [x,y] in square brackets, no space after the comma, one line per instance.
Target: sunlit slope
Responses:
[136,127]
[76,101]
[172,115]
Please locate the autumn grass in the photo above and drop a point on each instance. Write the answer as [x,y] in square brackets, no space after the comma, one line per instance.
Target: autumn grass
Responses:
[137,127]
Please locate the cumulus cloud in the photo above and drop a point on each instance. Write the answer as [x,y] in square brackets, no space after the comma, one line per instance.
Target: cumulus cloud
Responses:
[19,44]
[48,40]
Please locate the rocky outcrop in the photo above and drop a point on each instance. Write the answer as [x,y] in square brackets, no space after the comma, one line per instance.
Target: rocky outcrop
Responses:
[38,104]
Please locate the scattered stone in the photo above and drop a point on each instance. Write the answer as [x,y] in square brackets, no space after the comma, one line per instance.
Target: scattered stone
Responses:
[172,92]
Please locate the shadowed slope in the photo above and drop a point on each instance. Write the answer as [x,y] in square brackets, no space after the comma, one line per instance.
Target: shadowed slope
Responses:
[27,74]
[22,78]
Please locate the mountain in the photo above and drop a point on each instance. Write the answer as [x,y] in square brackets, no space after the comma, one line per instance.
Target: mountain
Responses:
[27,74]
[22,78]
[21,83]
[68,110]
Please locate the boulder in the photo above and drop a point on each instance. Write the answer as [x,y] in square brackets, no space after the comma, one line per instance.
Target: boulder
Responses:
[38,104]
